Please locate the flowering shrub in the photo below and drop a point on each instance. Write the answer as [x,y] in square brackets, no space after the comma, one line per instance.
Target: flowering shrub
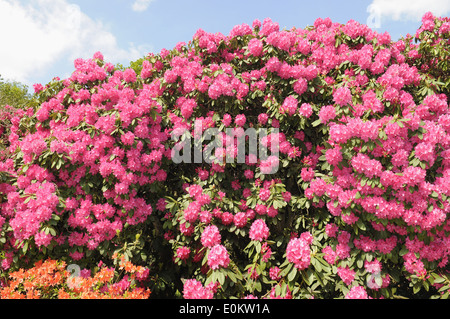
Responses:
[50,279]
[351,201]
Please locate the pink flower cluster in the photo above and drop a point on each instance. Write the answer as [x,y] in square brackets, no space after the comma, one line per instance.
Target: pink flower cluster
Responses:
[218,257]
[346,274]
[124,162]
[259,230]
[357,292]
[193,289]
[210,236]
[28,213]
[381,164]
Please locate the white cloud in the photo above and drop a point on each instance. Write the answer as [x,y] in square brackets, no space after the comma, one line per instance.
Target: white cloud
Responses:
[141,5]
[38,34]
[412,10]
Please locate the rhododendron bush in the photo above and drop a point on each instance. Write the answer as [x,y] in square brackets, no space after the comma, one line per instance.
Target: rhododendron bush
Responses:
[351,201]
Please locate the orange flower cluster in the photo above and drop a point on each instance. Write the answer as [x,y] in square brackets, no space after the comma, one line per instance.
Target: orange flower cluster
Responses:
[50,280]
[37,282]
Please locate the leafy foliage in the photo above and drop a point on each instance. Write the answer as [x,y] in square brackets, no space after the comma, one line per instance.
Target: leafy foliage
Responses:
[357,207]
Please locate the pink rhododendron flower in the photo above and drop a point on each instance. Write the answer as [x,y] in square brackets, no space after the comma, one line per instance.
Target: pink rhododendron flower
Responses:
[305,110]
[298,251]
[129,75]
[300,87]
[240,219]
[289,105]
[262,118]
[264,194]
[183,252]
[327,113]
[342,96]
[357,292]
[240,120]
[193,289]
[42,239]
[259,230]
[329,255]
[274,273]
[346,274]
[255,47]
[127,138]
[38,87]
[218,257]
[211,236]
[334,156]
[373,267]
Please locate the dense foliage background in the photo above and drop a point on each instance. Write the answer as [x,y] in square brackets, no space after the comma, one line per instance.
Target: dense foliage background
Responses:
[357,209]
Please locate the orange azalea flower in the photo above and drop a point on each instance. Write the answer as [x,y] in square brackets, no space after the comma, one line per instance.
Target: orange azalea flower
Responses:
[33,294]
[38,264]
[16,295]
[104,275]
[28,285]
[139,293]
[129,267]
[20,274]
[7,293]
[62,294]
[14,283]
[57,279]
[50,274]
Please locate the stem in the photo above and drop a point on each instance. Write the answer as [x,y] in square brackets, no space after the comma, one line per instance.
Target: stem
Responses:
[399,297]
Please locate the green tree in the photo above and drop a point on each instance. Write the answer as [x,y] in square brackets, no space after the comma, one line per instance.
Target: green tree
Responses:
[15,94]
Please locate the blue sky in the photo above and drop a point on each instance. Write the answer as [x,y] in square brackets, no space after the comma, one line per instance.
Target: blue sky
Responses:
[41,38]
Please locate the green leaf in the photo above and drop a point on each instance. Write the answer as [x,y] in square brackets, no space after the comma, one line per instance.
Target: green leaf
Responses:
[316,264]
[258,246]
[221,277]
[363,181]
[379,281]
[416,288]
[52,231]
[360,263]
[439,280]
[25,247]
[316,123]
[286,270]
[308,277]
[278,204]
[232,276]
[292,274]
[361,224]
